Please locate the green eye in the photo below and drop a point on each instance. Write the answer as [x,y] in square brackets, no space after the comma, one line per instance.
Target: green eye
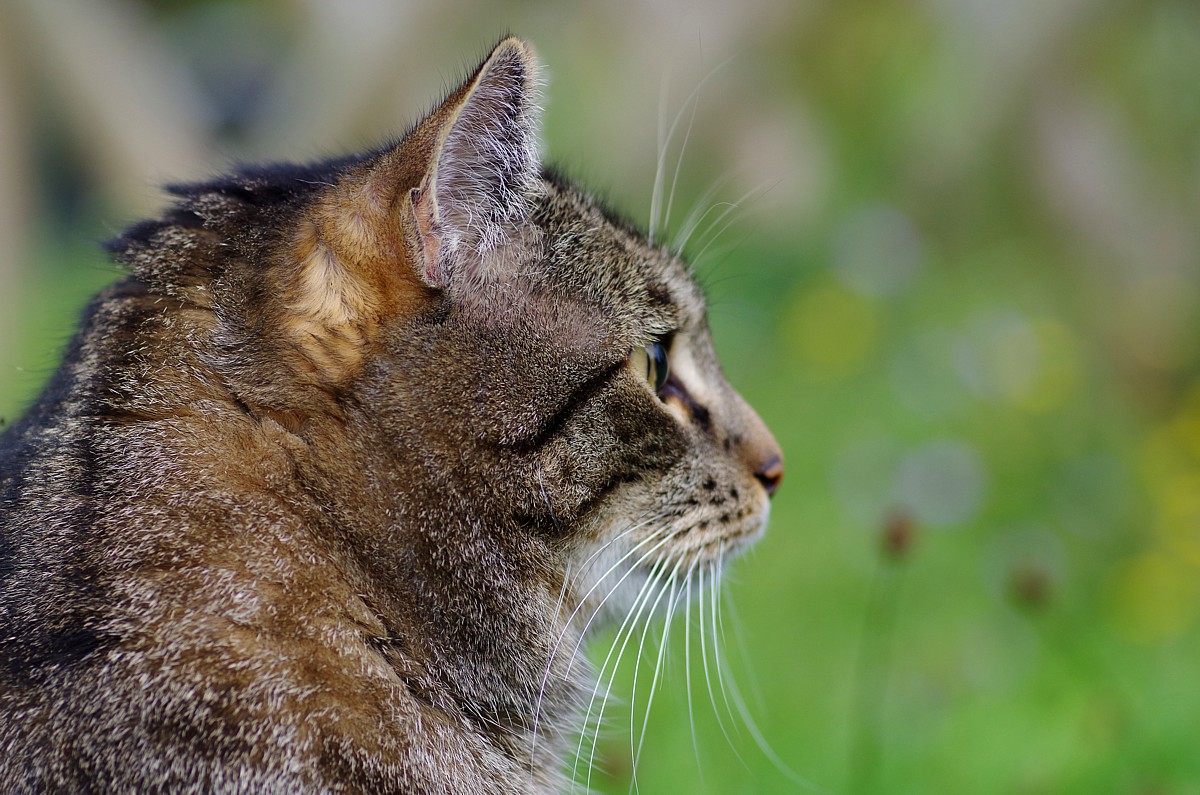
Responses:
[650,362]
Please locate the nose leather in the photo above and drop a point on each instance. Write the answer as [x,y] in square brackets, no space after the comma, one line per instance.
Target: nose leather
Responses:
[770,473]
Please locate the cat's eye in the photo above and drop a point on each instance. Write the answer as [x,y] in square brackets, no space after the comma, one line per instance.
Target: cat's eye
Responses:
[651,363]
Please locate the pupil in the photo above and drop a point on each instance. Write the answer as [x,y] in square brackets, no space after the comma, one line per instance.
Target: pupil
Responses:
[658,365]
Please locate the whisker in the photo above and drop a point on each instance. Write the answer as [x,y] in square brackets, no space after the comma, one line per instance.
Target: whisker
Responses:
[672,603]
[656,197]
[718,591]
[668,583]
[700,210]
[628,554]
[630,621]
[712,698]
[710,237]
[628,627]
[637,667]
[537,709]
[601,549]
[546,499]
[583,601]
[562,591]
[687,135]
[729,687]
[643,596]
[656,192]
[717,639]
[687,665]
[739,637]
[765,747]
[595,613]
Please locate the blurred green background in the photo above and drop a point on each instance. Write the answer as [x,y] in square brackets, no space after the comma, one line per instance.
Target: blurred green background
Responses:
[960,285]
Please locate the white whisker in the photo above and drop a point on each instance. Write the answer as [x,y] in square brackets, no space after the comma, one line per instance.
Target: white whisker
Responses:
[711,236]
[672,603]
[687,665]
[664,145]
[740,639]
[668,582]
[583,601]
[700,210]
[628,554]
[537,710]
[662,542]
[712,698]
[656,192]
[687,136]
[717,667]
[766,748]
[628,626]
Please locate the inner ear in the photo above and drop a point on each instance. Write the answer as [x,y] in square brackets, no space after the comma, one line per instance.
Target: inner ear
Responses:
[483,169]
[424,212]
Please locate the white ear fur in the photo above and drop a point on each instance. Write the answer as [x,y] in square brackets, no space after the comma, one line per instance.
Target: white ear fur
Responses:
[485,169]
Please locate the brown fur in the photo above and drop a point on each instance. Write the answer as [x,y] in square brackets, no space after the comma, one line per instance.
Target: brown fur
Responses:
[315,500]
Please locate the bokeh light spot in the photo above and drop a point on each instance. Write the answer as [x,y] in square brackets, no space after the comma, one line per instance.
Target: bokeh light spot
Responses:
[942,483]
[832,329]
[922,373]
[1007,358]
[1059,369]
[877,251]
[863,478]
[1185,428]
[1178,515]
[1156,598]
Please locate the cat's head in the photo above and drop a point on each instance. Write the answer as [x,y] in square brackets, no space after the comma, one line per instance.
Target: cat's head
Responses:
[492,342]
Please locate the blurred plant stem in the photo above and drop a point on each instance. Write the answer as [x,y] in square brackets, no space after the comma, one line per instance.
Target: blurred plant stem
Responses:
[872,664]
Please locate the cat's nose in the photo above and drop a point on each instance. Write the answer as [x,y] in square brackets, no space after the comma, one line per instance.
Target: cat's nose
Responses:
[769,473]
[757,447]
[762,455]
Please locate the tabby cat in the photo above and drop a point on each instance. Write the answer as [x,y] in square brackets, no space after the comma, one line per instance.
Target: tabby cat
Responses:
[329,489]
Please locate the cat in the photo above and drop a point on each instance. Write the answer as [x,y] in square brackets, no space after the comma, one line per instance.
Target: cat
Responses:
[327,492]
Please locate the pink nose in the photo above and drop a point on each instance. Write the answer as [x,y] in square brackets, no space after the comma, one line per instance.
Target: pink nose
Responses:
[769,473]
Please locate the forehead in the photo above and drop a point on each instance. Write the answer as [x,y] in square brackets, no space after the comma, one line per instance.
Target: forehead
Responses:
[609,262]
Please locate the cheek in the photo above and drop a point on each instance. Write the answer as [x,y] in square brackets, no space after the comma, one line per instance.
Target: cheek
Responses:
[647,441]
[617,439]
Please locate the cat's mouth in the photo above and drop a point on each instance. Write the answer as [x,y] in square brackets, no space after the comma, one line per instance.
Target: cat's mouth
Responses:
[720,536]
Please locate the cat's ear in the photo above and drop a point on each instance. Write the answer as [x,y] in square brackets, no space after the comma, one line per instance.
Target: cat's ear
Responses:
[480,167]
[426,215]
